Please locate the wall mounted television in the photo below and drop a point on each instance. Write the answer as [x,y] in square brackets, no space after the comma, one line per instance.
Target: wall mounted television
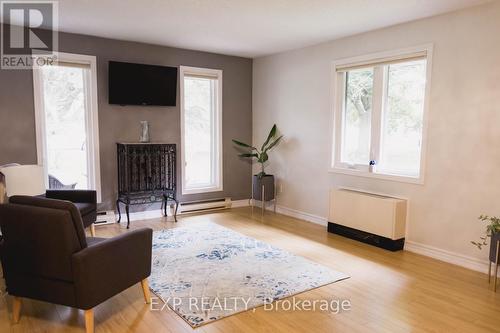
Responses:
[138,84]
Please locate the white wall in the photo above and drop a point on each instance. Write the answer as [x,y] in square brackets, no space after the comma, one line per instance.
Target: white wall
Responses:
[462,178]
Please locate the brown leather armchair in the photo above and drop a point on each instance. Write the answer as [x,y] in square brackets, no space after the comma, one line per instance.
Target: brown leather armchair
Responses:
[46,256]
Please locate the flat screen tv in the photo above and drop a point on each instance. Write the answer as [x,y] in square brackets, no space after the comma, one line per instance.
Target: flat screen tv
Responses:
[137,84]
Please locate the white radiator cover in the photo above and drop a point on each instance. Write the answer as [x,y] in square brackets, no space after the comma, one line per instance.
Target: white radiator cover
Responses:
[380,215]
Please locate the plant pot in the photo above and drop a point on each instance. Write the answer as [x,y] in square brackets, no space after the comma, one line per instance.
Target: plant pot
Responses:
[493,246]
[268,182]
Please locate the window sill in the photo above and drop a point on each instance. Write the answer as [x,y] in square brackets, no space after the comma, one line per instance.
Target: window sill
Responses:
[395,178]
[201,190]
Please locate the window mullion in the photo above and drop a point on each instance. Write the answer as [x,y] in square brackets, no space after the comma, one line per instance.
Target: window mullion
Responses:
[88,130]
[339,117]
[214,131]
[379,83]
[41,128]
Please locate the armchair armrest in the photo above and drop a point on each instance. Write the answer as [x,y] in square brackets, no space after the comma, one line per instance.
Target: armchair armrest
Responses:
[108,267]
[87,196]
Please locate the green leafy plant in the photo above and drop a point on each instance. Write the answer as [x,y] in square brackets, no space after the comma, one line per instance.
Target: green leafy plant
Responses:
[262,154]
[492,227]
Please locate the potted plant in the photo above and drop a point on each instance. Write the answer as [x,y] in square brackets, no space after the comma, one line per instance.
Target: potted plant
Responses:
[261,179]
[493,232]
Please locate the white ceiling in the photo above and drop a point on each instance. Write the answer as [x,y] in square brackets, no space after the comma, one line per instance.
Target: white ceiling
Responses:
[249,28]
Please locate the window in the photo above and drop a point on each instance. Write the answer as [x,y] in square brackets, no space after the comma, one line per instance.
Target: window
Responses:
[66,122]
[201,127]
[357,116]
[379,113]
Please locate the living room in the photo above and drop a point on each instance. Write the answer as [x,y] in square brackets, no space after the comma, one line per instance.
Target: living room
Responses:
[249,167]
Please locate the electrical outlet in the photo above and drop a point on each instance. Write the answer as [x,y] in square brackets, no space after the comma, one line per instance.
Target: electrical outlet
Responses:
[280,188]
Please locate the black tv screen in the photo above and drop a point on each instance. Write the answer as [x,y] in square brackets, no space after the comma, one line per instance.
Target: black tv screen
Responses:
[137,84]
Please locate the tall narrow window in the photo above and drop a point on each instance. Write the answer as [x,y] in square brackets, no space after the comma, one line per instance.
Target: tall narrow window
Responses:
[201,124]
[379,114]
[67,133]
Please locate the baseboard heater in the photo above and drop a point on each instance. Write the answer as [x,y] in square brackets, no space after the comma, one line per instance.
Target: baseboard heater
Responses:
[105,217]
[204,205]
[370,218]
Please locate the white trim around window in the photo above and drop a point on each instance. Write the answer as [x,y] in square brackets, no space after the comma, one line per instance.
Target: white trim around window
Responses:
[376,61]
[216,183]
[92,123]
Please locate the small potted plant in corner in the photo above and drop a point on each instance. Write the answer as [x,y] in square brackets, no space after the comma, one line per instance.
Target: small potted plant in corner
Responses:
[262,179]
[492,232]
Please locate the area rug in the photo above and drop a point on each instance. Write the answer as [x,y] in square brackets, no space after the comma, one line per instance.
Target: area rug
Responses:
[205,272]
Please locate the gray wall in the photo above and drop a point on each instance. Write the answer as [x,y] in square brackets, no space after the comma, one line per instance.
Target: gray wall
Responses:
[117,123]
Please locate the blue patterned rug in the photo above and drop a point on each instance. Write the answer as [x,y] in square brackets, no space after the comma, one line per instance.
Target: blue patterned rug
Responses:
[205,272]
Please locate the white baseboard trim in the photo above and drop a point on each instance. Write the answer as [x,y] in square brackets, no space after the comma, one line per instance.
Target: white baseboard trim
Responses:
[144,215]
[153,214]
[287,211]
[447,256]
[240,203]
[157,213]
[302,215]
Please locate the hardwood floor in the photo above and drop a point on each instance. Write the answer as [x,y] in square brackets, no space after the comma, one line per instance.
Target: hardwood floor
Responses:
[388,292]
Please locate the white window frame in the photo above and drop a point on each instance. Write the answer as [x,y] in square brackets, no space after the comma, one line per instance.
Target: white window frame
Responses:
[92,122]
[215,73]
[338,89]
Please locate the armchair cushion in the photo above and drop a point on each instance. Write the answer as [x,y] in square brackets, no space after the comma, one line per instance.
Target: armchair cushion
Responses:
[85,208]
[107,267]
[84,200]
